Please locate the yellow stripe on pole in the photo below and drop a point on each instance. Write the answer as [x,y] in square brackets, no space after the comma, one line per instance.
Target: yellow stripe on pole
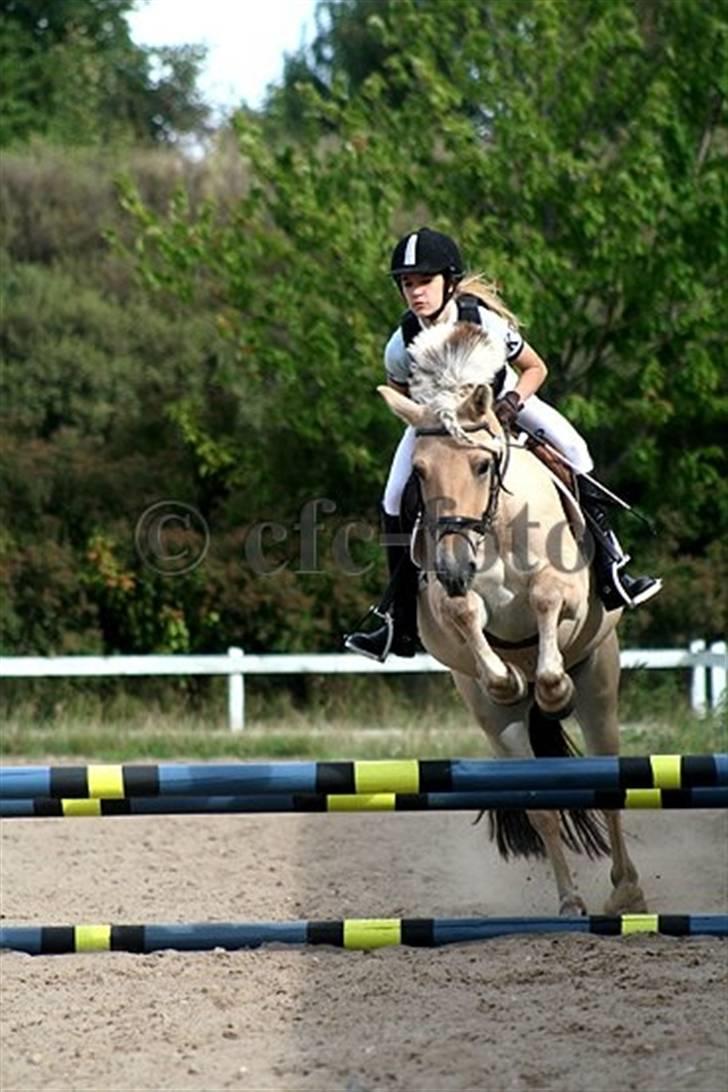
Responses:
[106,781]
[367,933]
[643,798]
[373,801]
[78,808]
[665,771]
[639,923]
[92,938]
[400,775]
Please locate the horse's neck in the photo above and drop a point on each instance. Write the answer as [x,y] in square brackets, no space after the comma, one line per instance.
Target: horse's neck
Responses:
[532,543]
[530,532]
[528,482]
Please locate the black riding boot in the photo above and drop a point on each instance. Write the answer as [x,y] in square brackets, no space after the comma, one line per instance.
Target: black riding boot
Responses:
[398,607]
[615,587]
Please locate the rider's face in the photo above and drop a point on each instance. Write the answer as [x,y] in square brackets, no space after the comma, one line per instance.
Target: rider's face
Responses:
[423,292]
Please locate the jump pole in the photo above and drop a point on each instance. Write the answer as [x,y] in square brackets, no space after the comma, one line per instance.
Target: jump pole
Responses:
[409,776]
[281,803]
[361,934]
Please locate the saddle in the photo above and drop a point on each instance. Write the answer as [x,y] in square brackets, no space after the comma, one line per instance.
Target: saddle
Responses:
[564,479]
[552,460]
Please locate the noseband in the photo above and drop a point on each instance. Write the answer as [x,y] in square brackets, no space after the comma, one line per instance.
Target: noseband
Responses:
[460,525]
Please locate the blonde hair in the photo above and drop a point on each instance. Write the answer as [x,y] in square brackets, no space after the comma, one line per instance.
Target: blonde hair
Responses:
[474,284]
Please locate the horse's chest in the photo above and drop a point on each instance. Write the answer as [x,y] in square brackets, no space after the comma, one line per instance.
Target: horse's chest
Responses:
[494,586]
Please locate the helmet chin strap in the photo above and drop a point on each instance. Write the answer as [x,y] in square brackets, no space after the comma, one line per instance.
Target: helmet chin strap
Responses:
[448,291]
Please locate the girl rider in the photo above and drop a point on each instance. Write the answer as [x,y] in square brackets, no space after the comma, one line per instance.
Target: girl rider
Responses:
[428,270]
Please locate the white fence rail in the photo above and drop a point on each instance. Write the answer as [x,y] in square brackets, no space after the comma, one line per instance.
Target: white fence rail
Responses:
[709,667]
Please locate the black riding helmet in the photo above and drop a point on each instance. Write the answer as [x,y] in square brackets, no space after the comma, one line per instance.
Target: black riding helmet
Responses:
[427,251]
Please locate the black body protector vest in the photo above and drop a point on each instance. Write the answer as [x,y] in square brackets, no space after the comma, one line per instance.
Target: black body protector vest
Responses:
[468,311]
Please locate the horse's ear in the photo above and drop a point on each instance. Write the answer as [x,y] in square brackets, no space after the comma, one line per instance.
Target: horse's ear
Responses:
[479,402]
[403,407]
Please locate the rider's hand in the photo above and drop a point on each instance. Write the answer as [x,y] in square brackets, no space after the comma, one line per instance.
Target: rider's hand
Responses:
[507,409]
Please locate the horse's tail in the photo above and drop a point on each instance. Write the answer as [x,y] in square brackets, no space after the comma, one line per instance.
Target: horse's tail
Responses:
[581,831]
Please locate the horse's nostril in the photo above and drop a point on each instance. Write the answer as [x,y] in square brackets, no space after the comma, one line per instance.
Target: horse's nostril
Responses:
[456,582]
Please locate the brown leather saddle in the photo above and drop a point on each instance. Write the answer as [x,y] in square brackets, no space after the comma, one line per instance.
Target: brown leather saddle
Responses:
[552,460]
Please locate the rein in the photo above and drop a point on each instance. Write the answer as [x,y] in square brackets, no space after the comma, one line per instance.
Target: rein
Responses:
[460,525]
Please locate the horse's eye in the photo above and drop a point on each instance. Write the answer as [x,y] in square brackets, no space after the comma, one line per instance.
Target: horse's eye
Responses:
[483,468]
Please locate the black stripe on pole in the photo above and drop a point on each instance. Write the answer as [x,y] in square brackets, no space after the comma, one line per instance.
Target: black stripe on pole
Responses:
[69,781]
[674,925]
[410,801]
[677,798]
[636,773]
[325,932]
[116,807]
[418,932]
[141,780]
[435,775]
[610,799]
[605,925]
[335,777]
[57,939]
[698,770]
[127,938]
[309,801]
[48,805]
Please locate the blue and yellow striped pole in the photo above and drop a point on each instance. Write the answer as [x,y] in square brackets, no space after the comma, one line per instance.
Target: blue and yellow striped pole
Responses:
[359,934]
[404,776]
[343,803]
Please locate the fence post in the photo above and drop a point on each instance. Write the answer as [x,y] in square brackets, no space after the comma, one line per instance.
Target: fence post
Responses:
[718,676]
[236,694]
[698,684]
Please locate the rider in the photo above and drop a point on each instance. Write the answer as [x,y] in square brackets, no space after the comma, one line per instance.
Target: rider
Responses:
[428,270]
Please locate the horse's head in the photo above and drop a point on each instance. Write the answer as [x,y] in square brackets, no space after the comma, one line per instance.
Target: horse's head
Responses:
[460,447]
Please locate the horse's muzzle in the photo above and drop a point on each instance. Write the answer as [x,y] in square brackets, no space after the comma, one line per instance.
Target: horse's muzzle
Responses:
[455,575]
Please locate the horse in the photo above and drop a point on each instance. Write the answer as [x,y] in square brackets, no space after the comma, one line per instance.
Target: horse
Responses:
[506,599]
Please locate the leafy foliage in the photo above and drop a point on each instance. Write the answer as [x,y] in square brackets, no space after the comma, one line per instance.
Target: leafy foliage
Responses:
[577,151]
[71,73]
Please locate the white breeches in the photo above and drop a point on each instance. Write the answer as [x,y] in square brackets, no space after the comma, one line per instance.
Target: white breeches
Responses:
[535,416]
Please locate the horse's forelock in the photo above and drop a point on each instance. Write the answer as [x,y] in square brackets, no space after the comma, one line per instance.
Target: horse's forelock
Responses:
[449,362]
[452,358]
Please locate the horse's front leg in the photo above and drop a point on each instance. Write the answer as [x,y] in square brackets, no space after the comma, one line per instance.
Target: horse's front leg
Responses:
[553,689]
[503,683]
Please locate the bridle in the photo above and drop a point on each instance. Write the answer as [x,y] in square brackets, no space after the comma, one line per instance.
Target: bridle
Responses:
[461,525]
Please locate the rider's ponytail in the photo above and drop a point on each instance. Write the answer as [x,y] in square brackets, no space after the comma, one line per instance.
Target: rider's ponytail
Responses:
[474,284]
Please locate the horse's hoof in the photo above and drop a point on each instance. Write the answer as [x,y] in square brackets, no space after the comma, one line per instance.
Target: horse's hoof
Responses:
[558,714]
[555,698]
[511,690]
[573,906]
[628,898]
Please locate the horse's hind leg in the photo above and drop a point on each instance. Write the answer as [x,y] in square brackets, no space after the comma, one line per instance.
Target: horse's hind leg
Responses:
[547,824]
[596,689]
[507,731]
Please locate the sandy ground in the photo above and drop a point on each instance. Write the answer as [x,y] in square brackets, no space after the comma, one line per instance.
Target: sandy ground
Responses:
[566,1013]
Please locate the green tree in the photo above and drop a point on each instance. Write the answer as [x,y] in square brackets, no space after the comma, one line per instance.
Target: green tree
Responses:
[71,73]
[579,154]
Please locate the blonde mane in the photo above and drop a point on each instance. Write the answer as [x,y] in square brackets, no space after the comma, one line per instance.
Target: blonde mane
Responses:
[449,363]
